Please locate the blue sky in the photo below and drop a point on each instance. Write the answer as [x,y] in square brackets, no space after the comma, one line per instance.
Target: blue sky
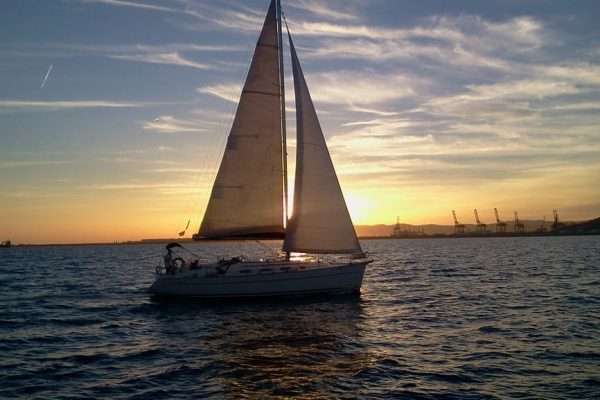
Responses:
[427,106]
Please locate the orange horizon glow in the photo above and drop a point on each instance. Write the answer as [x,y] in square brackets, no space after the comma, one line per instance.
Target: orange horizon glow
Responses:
[119,218]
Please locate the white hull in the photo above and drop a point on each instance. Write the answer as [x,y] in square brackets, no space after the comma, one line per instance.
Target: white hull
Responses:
[260,279]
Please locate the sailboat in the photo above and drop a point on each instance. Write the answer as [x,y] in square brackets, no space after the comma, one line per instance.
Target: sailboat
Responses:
[249,197]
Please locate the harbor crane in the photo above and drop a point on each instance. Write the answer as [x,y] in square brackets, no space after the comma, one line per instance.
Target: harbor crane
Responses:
[542,228]
[481,227]
[519,226]
[556,223]
[458,228]
[500,225]
[397,229]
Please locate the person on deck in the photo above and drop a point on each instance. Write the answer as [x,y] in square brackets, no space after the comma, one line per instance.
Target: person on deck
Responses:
[168,261]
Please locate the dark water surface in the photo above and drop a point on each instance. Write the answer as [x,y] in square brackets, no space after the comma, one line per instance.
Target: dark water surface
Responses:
[489,318]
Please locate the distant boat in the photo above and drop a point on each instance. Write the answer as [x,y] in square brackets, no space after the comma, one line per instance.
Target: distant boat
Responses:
[6,243]
[249,196]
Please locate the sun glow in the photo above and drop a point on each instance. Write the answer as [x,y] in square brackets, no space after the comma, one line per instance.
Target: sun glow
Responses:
[358,207]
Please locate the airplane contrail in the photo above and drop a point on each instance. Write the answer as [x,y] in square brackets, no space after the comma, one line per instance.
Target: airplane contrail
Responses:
[47,75]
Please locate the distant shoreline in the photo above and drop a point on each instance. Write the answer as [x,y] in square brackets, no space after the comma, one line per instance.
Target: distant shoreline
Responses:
[434,236]
[480,235]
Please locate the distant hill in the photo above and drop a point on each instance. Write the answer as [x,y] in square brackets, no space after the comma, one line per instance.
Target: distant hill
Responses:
[591,227]
[432,229]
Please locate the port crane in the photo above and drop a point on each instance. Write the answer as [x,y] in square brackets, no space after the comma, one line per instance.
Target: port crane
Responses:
[519,226]
[397,229]
[500,225]
[556,223]
[542,228]
[458,227]
[481,227]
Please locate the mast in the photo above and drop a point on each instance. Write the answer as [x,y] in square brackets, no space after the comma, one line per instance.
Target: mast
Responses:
[283,124]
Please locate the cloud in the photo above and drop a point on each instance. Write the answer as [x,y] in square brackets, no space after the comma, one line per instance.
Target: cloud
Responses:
[131,4]
[69,49]
[187,47]
[226,91]
[359,87]
[371,110]
[524,31]
[580,73]
[172,188]
[173,170]
[32,163]
[465,41]
[170,124]
[322,10]
[512,99]
[230,16]
[406,51]
[161,58]
[584,106]
[530,88]
[65,105]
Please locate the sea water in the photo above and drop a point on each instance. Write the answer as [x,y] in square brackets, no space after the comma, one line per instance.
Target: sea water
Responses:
[463,318]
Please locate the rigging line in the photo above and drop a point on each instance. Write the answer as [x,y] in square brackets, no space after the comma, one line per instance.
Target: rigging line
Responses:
[209,163]
[211,158]
[241,247]
[287,28]
[229,116]
[214,171]
[189,251]
[264,246]
[212,152]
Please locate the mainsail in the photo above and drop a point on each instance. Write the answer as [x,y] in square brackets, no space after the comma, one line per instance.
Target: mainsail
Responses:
[247,196]
[320,222]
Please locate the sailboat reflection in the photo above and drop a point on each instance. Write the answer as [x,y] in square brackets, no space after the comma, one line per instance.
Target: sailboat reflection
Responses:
[297,349]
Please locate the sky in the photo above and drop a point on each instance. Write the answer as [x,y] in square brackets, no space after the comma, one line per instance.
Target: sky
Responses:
[114,113]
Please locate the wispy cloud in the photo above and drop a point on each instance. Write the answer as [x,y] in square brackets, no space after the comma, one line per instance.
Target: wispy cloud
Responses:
[320,9]
[225,91]
[503,100]
[584,106]
[172,188]
[229,15]
[65,105]
[356,108]
[32,163]
[170,124]
[579,73]
[359,88]
[340,87]
[131,4]
[526,32]
[173,170]
[161,58]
